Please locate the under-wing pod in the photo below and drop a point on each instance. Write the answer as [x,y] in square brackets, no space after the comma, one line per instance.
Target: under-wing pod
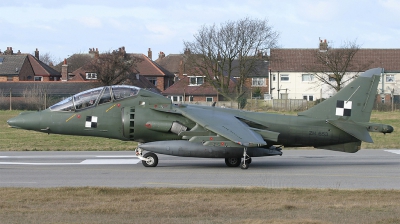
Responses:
[194,149]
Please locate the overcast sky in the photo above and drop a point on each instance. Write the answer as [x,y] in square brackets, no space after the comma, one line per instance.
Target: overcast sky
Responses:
[63,28]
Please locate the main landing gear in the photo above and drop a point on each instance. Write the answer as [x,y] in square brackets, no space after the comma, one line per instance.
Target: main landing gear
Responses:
[235,162]
[149,159]
[246,160]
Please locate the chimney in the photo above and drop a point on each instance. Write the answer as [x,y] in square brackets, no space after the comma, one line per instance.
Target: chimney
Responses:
[11,51]
[19,52]
[150,54]
[161,55]
[37,54]
[323,46]
[187,51]
[64,71]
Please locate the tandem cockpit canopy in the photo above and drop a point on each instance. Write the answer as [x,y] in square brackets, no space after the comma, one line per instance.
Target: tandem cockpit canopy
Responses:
[96,96]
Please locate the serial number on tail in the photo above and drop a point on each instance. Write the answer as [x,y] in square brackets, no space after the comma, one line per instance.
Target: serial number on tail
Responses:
[319,133]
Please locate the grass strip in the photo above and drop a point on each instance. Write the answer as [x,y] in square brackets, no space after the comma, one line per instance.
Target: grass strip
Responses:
[197,205]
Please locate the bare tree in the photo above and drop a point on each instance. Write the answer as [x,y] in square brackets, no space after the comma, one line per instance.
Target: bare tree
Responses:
[47,58]
[114,67]
[225,55]
[332,64]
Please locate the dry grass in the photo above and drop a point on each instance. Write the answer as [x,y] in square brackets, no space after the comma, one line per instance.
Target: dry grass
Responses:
[22,140]
[197,205]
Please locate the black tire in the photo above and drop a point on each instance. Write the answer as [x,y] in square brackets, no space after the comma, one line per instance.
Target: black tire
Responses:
[244,166]
[153,160]
[233,162]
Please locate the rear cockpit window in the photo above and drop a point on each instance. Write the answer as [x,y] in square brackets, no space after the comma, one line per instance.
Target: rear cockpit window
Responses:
[122,92]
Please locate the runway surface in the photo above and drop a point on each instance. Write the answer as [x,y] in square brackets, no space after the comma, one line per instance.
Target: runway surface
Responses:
[366,169]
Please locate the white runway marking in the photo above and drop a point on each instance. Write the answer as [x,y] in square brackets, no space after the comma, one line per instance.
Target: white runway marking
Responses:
[84,162]
[110,161]
[393,151]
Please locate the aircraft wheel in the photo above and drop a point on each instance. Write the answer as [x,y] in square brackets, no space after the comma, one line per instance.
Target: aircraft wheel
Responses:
[244,166]
[152,160]
[232,162]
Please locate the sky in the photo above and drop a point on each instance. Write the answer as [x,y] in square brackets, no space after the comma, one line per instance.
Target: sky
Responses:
[63,28]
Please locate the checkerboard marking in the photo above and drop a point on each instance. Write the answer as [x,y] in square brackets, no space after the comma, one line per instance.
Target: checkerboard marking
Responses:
[91,122]
[343,108]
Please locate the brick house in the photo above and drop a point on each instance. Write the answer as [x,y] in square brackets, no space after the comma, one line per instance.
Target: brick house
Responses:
[290,78]
[25,67]
[147,74]
[189,87]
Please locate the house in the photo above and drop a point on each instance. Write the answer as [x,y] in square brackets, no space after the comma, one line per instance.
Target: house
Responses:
[290,79]
[16,67]
[189,87]
[147,74]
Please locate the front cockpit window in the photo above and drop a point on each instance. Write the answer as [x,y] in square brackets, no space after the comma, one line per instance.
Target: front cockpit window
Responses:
[93,97]
[64,105]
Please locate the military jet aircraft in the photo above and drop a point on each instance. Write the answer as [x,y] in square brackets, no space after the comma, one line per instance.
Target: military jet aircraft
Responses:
[129,113]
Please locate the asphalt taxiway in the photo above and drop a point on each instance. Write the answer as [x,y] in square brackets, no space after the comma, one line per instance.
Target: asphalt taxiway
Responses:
[366,169]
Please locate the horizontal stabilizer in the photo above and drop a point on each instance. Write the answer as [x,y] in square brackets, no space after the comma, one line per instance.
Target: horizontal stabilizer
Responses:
[353,129]
[350,147]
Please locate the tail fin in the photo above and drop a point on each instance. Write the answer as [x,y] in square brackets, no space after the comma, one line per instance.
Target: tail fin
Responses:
[353,102]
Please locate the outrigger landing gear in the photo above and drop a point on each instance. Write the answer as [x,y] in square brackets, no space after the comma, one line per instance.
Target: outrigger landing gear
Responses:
[149,159]
[246,160]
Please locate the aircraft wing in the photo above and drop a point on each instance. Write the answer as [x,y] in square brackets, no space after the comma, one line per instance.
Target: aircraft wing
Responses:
[223,124]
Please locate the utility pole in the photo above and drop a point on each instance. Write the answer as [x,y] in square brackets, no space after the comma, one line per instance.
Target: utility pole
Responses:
[10,99]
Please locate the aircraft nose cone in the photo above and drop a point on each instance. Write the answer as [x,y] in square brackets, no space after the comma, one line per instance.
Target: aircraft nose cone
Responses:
[390,129]
[12,122]
[26,120]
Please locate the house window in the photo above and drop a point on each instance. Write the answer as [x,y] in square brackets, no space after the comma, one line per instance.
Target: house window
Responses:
[153,80]
[307,77]
[9,78]
[190,98]
[176,98]
[91,75]
[196,80]
[332,78]
[38,78]
[273,78]
[209,99]
[308,97]
[389,78]
[284,78]
[258,82]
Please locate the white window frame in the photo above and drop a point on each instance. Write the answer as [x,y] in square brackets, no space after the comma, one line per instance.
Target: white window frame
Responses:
[38,77]
[308,97]
[208,99]
[258,82]
[91,75]
[284,76]
[307,77]
[153,80]
[197,80]
[176,98]
[389,78]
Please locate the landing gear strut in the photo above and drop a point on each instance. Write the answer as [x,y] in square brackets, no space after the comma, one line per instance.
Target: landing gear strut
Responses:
[246,160]
[149,159]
